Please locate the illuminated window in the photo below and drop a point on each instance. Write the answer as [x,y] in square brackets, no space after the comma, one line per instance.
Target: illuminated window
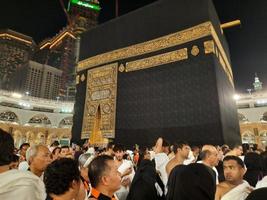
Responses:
[248,137]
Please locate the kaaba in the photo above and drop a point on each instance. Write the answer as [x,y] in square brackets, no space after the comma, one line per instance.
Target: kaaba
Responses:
[162,70]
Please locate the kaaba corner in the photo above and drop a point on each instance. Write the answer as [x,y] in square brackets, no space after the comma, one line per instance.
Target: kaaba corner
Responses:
[163,70]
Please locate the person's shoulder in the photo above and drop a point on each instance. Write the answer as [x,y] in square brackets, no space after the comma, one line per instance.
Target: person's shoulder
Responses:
[170,163]
[222,186]
[262,183]
[161,159]
[162,156]
[258,194]
[19,174]
[128,162]
[220,190]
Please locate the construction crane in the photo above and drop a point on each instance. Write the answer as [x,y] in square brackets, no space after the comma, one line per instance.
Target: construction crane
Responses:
[69,21]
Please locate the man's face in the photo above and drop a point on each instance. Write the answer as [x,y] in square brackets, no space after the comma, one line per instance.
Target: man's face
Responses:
[42,159]
[166,149]
[119,155]
[220,153]
[64,152]
[232,171]
[147,155]
[23,150]
[239,151]
[214,158]
[184,151]
[196,152]
[113,177]
[56,154]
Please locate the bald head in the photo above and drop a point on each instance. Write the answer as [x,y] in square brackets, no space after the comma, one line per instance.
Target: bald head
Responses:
[209,155]
[38,157]
[210,148]
[33,151]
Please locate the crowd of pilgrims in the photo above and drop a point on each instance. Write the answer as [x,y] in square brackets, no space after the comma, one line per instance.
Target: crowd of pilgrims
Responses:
[164,172]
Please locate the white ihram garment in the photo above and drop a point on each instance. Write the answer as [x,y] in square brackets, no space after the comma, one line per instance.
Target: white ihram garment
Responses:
[21,185]
[262,183]
[161,160]
[240,192]
[123,191]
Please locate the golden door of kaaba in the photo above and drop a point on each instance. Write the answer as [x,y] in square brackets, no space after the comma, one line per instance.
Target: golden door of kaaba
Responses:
[100,105]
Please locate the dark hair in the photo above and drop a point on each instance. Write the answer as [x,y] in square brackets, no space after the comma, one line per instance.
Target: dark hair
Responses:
[97,168]
[24,144]
[225,149]
[142,153]
[65,147]
[264,161]
[15,158]
[100,150]
[246,148]
[110,145]
[193,148]
[55,143]
[165,143]
[254,164]
[258,194]
[253,161]
[55,149]
[255,147]
[179,145]
[237,159]
[118,147]
[59,175]
[6,148]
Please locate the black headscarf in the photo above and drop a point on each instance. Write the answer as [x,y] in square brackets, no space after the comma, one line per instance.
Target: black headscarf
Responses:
[255,169]
[143,184]
[191,182]
[259,194]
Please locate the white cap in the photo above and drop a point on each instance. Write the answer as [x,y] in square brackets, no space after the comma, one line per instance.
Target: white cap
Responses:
[91,150]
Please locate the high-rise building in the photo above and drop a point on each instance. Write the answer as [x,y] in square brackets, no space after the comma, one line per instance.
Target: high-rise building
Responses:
[47,77]
[15,51]
[83,15]
[62,51]
[58,52]
[19,73]
[39,80]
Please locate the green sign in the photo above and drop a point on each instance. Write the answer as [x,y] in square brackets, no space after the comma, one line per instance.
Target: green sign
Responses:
[64,142]
[88,4]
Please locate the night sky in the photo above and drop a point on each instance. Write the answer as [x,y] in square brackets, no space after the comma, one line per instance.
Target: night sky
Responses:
[44,18]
